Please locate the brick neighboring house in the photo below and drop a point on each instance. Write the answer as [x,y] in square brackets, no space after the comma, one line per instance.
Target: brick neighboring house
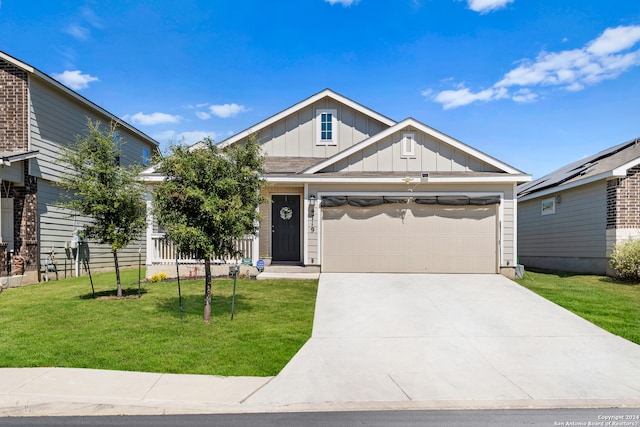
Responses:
[39,115]
[570,219]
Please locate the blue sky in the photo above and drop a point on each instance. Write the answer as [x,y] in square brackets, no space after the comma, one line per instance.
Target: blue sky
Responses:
[537,84]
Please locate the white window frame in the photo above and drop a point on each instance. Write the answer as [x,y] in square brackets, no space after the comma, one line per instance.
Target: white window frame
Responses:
[334,127]
[548,206]
[408,144]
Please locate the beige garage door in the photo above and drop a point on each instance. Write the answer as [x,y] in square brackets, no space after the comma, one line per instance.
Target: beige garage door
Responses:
[410,238]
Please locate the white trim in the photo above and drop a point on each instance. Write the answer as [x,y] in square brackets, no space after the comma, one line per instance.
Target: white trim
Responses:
[28,68]
[152,178]
[500,226]
[409,138]
[334,126]
[515,224]
[150,220]
[318,179]
[18,157]
[305,225]
[552,206]
[299,179]
[301,105]
[622,170]
[422,128]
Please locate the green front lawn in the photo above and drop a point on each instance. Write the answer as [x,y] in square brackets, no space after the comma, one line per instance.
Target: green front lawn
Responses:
[59,324]
[609,303]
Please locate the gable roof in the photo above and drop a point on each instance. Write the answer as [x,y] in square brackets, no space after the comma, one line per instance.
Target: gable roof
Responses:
[609,163]
[301,105]
[53,82]
[410,122]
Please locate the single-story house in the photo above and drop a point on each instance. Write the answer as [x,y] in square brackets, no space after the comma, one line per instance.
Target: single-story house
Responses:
[39,115]
[570,219]
[351,190]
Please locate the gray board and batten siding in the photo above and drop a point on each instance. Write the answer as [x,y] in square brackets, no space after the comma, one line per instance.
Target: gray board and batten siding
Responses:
[55,120]
[295,135]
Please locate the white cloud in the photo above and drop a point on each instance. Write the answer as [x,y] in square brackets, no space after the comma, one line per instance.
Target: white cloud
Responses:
[601,59]
[89,16]
[614,40]
[227,110]
[524,96]
[81,29]
[75,79]
[486,6]
[77,32]
[153,119]
[202,115]
[604,58]
[345,3]
[459,97]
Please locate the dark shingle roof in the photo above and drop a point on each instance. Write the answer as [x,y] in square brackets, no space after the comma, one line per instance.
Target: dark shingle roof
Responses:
[284,165]
[602,162]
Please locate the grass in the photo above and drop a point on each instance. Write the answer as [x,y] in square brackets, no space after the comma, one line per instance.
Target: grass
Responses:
[612,304]
[58,323]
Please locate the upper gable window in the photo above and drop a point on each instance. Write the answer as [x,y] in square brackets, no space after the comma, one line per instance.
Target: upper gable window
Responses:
[408,144]
[327,129]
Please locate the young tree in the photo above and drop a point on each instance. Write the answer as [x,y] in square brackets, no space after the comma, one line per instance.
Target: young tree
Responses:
[102,189]
[208,199]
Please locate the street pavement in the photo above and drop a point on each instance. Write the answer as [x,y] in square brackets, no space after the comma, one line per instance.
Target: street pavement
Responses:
[380,341]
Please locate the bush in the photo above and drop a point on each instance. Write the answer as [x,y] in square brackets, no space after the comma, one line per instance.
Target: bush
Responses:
[158,277]
[625,259]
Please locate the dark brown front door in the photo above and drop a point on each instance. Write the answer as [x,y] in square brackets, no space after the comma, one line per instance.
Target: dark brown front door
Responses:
[285,228]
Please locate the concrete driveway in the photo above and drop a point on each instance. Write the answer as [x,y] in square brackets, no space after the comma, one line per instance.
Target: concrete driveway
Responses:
[452,341]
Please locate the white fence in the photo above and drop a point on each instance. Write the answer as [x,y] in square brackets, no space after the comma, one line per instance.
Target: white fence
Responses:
[164,252]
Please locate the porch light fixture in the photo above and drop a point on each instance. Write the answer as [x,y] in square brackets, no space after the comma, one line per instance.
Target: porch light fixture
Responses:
[312,206]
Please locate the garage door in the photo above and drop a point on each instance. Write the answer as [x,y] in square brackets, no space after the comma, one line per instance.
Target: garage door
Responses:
[410,238]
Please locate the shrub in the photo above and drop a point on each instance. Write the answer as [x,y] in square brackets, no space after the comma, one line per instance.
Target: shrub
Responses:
[625,259]
[158,277]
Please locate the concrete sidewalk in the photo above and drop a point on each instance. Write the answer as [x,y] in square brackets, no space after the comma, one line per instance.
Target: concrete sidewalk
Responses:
[67,391]
[380,342]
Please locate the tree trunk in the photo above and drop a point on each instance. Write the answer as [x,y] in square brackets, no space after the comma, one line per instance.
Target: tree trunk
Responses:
[115,261]
[207,291]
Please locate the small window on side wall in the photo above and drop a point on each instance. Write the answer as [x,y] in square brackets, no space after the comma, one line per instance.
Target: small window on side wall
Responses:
[408,144]
[549,206]
[326,127]
[145,156]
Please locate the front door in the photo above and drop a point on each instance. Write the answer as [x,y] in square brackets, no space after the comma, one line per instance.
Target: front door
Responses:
[285,228]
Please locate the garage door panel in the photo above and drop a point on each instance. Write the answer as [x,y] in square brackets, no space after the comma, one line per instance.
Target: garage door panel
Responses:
[413,238]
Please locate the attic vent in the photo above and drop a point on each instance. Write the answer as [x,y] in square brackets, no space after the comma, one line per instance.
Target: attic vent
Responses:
[408,144]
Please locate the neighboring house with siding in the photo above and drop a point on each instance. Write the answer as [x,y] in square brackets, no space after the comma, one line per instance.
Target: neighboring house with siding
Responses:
[39,116]
[350,190]
[570,219]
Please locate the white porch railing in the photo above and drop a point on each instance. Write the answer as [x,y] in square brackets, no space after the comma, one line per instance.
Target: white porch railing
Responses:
[164,252]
